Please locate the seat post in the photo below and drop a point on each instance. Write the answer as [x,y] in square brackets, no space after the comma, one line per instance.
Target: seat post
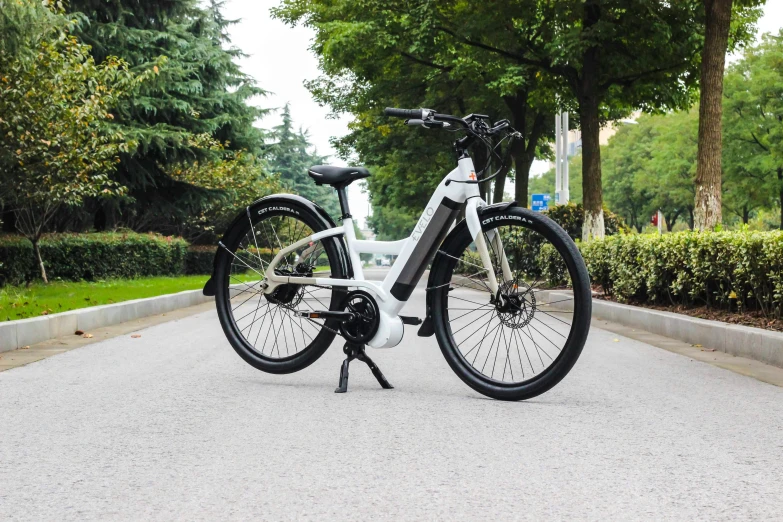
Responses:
[343,197]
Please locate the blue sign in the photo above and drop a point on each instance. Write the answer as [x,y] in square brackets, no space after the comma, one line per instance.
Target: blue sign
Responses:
[540,202]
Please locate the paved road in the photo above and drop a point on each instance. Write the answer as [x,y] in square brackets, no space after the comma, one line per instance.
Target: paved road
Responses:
[173,425]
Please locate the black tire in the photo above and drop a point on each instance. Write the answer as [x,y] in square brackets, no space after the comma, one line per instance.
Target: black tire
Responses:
[236,261]
[516,315]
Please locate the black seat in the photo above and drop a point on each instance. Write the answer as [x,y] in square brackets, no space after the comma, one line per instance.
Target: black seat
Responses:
[338,177]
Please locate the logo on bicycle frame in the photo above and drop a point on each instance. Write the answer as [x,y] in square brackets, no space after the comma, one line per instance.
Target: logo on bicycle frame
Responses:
[421,226]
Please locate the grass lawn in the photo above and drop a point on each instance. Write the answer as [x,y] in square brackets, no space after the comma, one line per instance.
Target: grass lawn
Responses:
[20,302]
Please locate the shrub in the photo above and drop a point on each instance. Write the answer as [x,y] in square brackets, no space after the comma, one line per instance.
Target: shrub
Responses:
[533,257]
[77,257]
[718,269]
[199,260]
[553,269]
[571,217]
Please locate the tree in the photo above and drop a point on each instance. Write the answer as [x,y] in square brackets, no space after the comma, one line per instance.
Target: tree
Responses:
[753,123]
[626,161]
[231,181]
[55,147]
[672,165]
[24,23]
[290,157]
[200,90]
[612,56]
[616,57]
[718,17]
[605,57]
[375,54]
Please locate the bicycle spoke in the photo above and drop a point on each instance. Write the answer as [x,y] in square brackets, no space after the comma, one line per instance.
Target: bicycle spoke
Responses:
[269,321]
[510,321]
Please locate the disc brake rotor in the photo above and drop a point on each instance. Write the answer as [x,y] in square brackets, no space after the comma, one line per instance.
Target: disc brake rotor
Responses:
[516,305]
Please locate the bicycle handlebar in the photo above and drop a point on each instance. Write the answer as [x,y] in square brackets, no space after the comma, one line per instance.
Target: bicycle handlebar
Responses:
[475,124]
[427,117]
[417,114]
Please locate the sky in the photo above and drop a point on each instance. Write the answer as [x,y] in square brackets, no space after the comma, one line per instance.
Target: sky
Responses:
[280,61]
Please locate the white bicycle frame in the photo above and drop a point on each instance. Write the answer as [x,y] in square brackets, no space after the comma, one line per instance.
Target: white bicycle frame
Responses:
[412,253]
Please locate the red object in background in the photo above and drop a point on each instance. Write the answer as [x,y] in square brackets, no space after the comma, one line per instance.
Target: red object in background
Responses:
[654,220]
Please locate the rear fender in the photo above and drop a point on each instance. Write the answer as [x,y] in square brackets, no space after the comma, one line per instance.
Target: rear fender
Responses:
[321,214]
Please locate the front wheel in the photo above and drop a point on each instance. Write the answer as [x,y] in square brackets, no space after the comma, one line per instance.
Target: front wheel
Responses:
[521,341]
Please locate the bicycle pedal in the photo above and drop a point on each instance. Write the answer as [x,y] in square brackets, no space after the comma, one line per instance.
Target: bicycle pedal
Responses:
[408,319]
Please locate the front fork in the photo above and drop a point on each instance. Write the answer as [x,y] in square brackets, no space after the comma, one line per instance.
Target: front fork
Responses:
[474,225]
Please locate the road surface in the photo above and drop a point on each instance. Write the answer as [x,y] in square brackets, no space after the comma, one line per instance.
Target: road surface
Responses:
[174,425]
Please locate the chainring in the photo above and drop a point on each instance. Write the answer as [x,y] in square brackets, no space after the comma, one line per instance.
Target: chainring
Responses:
[367,317]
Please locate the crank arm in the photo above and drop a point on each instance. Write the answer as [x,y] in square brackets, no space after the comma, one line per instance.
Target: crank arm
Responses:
[345,317]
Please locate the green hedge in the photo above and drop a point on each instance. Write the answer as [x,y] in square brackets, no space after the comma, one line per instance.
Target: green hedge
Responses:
[742,270]
[533,257]
[199,260]
[530,253]
[77,257]
[571,217]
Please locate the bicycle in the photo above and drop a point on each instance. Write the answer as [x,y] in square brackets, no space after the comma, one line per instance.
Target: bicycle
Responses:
[487,279]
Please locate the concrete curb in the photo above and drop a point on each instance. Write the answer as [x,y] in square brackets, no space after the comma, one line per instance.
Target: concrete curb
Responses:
[743,341]
[25,332]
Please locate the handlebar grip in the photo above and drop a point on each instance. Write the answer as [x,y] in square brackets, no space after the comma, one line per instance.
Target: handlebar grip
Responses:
[416,114]
[503,124]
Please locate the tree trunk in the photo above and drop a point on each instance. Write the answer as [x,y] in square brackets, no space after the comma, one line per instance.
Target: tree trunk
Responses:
[37,251]
[592,191]
[522,178]
[9,221]
[707,211]
[479,163]
[525,153]
[500,185]
[690,218]
[745,215]
[780,181]
[671,220]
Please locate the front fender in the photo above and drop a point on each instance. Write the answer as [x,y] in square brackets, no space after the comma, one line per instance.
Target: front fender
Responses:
[427,329]
[320,213]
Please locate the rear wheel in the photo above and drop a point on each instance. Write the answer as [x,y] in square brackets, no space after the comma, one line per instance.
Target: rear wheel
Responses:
[265,329]
[522,341]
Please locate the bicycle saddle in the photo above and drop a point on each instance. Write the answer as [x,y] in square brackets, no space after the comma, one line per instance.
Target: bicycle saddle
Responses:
[338,177]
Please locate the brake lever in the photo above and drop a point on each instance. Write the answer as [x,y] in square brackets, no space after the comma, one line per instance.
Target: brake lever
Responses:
[429,124]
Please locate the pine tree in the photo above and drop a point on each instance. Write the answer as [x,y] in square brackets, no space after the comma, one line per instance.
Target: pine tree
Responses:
[200,90]
[290,157]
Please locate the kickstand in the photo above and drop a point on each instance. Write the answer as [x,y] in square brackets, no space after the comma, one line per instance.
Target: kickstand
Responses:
[356,351]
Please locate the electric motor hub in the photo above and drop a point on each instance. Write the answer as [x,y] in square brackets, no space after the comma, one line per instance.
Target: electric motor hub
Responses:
[366,319]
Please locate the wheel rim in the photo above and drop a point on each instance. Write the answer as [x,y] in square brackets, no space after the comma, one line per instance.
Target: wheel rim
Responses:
[268,323]
[514,337]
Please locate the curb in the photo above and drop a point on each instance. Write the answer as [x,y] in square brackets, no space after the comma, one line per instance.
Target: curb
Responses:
[743,341]
[25,332]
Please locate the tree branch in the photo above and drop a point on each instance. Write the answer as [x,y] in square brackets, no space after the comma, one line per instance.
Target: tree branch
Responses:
[765,149]
[426,62]
[629,79]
